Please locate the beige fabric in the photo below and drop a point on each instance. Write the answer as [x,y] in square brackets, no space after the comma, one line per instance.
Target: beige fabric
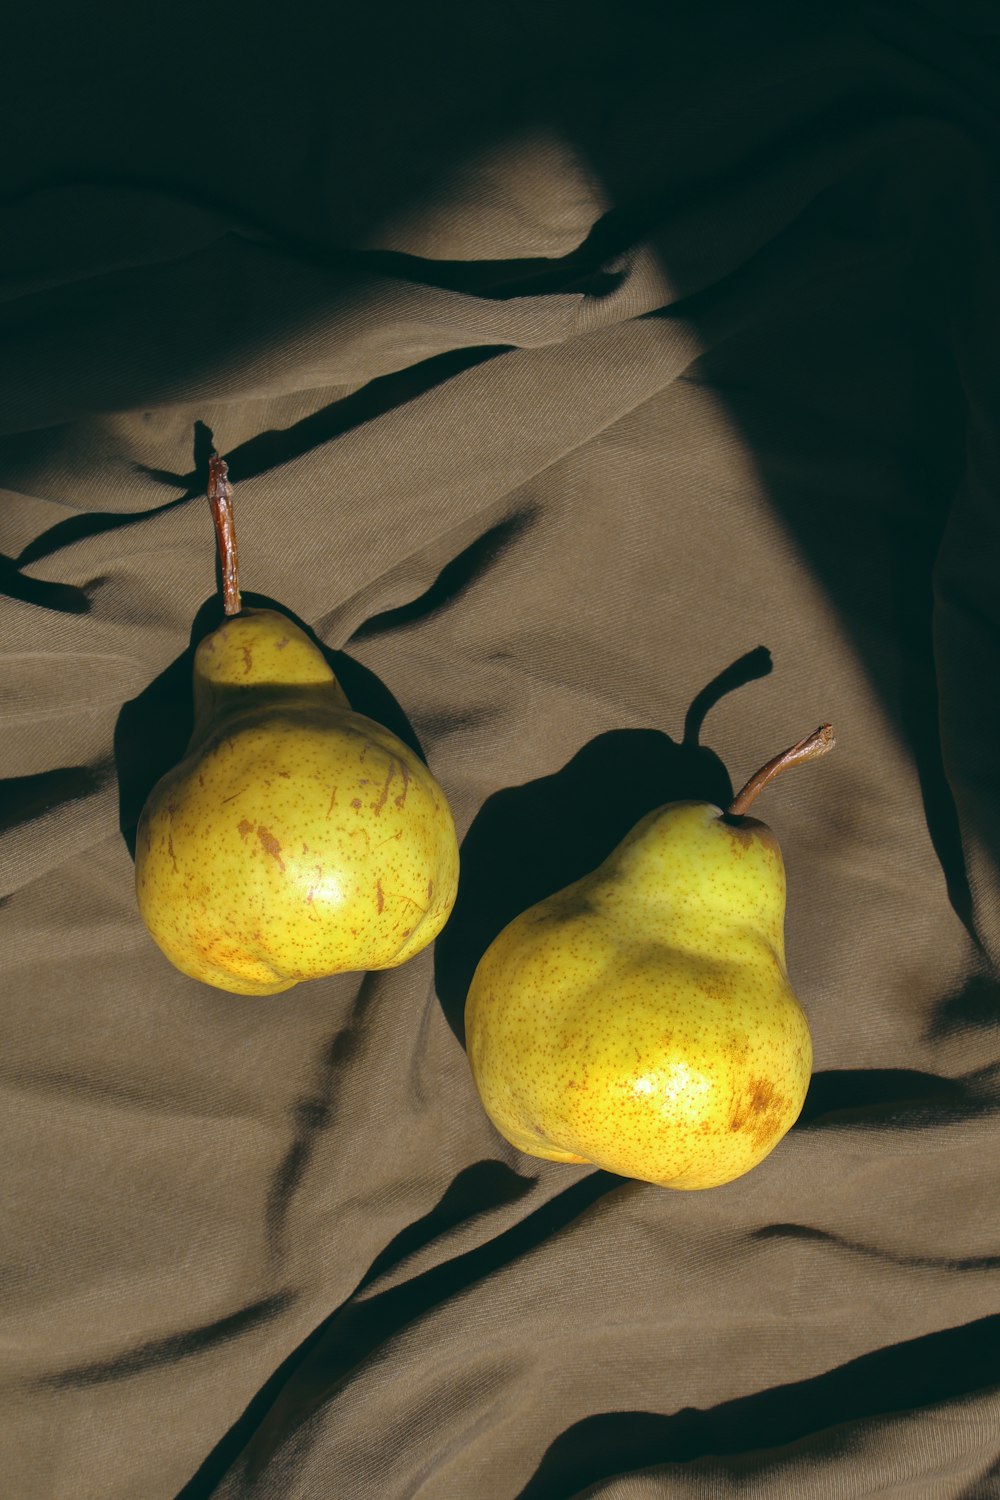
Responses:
[561,361]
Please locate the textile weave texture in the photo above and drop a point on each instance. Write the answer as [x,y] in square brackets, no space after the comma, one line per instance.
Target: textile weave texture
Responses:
[614,393]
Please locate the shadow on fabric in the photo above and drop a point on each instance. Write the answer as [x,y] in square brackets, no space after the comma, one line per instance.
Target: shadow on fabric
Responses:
[455,87]
[896,1379]
[530,841]
[153,728]
[351,1335]
[395,133]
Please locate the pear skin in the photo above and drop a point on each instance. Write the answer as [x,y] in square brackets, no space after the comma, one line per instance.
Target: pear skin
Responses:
[641,1020]
[297,838]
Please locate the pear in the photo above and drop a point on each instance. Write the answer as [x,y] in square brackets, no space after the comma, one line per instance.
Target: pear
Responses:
[641,1019]
[296,838]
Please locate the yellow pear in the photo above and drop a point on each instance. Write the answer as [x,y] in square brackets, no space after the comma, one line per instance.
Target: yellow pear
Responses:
[296,838]
[642,1019]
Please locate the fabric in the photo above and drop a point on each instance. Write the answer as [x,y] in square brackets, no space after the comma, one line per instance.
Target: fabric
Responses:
[614,393]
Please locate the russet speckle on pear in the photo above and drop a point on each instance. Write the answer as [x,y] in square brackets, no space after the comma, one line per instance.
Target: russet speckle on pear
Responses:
[297,838]
[642,1019]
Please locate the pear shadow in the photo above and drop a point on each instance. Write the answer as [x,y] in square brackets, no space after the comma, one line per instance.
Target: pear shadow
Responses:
[408,148]
[152,730]
[379,140]
[529,841]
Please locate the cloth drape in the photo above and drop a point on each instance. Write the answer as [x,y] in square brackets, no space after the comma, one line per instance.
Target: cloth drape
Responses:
[614,394]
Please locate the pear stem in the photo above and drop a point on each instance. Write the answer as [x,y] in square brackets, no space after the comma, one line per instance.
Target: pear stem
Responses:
[220,496]
[820,742]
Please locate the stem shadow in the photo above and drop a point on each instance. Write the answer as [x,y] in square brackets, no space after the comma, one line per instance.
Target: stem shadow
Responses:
[152,730]
[529,841]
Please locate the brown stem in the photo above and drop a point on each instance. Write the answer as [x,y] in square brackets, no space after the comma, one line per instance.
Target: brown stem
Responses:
[220,495]
[818,743]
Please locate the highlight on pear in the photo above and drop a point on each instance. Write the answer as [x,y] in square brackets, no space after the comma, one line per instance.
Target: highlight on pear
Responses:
[296,838]
[642,1020]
